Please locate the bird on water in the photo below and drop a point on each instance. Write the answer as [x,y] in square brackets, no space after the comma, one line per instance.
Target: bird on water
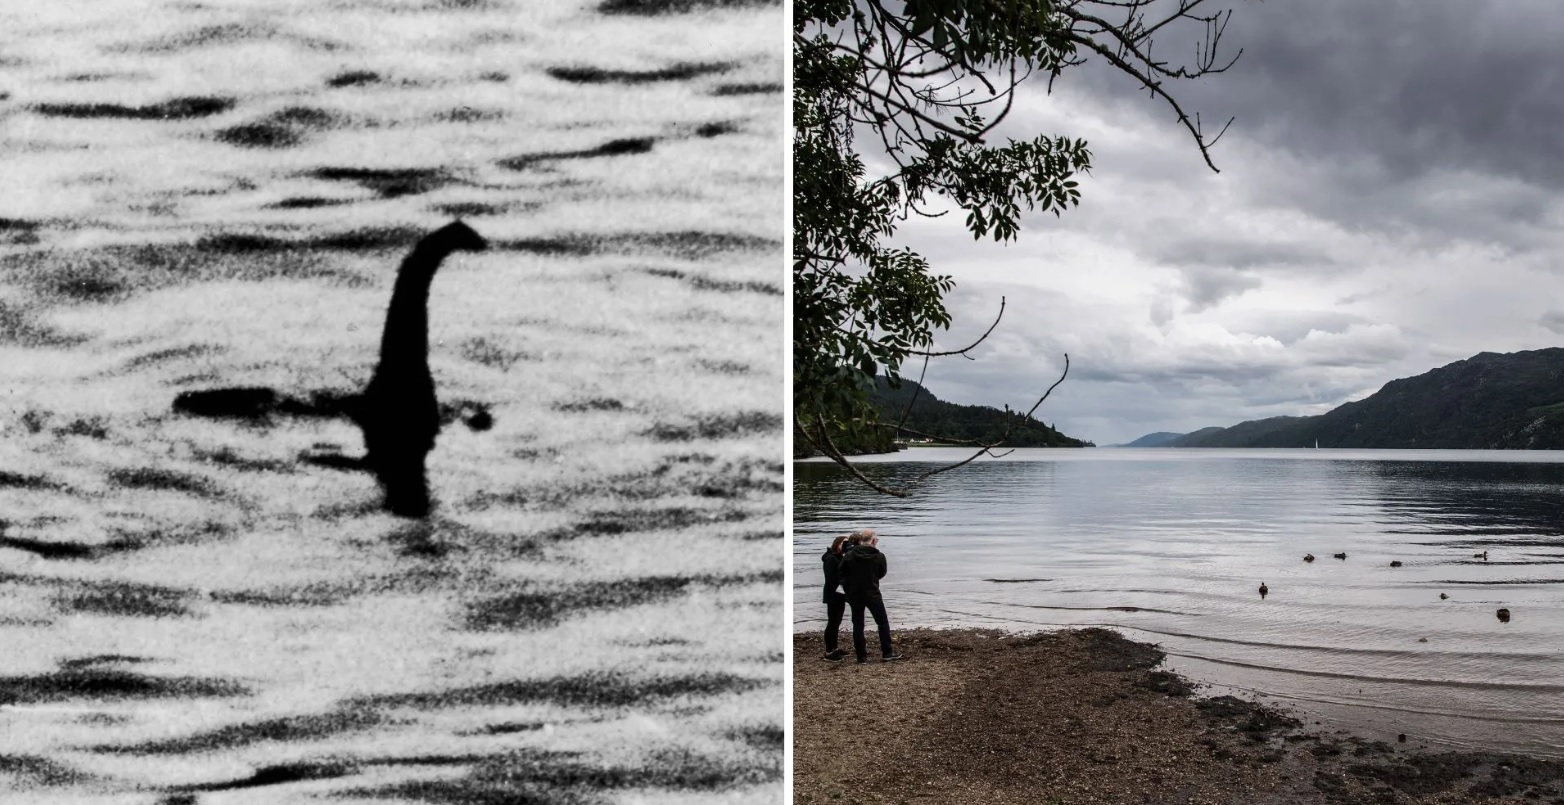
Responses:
[1504,616]
[1263,590]
[1308,557]
[1339,555]
[399,412]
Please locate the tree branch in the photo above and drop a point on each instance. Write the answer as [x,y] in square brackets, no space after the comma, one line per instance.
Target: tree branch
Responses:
[989,448]
[825,445]
[968,348]
[1156,89]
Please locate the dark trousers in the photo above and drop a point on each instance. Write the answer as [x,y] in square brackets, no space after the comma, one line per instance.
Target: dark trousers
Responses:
[833,619]
[876,608]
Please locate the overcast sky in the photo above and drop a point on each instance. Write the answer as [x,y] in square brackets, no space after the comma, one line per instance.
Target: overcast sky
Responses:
[1389,202]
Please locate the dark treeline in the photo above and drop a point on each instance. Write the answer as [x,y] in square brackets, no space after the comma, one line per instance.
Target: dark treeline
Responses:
[934,417]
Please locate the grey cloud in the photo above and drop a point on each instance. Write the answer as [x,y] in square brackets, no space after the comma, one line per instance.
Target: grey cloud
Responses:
[1429,211]
[1414,82]
[1237,252]
[1124,375]
[1288,326]
[1431,120]
[1208,287]
[1363,296]
[1553,320]
[1353,348]
[1162,312]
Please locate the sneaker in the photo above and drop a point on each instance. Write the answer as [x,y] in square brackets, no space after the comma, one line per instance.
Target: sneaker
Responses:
[836,655]
[892,658]
[863,660]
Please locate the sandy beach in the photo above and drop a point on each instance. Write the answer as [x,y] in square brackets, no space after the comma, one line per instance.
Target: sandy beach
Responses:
[1083,716]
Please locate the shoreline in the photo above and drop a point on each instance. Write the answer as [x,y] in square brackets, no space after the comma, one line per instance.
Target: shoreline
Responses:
[1084,716]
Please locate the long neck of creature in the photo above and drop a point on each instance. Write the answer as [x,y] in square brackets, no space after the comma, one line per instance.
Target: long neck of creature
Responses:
[404,346]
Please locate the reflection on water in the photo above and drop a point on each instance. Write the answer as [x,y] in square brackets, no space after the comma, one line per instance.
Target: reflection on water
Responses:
[1171,545]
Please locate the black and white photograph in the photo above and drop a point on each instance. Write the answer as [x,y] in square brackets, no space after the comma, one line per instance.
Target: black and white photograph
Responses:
[393,401]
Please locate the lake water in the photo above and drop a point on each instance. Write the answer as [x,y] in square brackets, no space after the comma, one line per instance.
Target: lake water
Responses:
[204,195]
[1171,545]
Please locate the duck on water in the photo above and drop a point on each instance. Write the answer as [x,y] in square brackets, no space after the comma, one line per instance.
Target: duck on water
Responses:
[398,411]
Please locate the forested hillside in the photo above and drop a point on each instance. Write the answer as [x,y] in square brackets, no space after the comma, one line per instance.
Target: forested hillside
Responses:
[1488,401]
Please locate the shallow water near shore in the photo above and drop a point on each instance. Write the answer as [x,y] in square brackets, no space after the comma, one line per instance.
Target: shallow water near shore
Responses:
[199,196]
[1170,546]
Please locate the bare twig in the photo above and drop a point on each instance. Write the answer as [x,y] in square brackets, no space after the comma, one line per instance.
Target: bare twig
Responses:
[1156,89]
[1002,439]
[906,412]
[825,445]
[968,348]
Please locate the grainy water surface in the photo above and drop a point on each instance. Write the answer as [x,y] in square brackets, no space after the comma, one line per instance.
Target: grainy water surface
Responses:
[1172,545]
[203,195]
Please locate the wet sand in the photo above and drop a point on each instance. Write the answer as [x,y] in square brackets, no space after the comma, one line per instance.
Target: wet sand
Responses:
[981,716]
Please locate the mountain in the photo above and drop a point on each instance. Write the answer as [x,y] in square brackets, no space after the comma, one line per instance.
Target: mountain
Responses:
[932,415]
[1254,433]
[1157,439]
[1510,401]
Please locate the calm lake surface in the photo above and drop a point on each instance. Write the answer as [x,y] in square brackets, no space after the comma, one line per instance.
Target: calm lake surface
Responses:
[1170,546]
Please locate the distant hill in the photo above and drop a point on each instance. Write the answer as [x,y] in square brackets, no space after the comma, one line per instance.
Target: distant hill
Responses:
[1157,439]
[935,416]
[968,422]
[1250,434]
[1511,401]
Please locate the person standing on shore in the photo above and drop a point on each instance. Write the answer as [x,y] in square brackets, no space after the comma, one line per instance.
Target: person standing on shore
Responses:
[835,599]
[862,567]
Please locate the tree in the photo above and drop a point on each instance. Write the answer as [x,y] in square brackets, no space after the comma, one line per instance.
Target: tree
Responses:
[928,81]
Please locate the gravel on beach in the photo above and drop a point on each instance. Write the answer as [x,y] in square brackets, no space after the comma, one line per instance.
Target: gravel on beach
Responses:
[982,716]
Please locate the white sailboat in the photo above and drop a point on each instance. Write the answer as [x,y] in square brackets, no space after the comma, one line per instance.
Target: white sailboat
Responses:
[1316,444]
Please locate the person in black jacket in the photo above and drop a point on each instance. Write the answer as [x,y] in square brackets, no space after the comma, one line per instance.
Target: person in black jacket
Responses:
[835,599]
[862,567]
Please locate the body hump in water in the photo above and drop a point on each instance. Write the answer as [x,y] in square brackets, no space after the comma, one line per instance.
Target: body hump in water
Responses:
[399,412]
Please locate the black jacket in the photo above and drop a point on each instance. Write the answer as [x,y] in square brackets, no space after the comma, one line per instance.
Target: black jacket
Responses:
[833,573]
[862,567]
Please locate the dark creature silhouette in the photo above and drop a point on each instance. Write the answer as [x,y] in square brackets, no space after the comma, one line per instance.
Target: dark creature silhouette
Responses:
[1263,590]
[398,410]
